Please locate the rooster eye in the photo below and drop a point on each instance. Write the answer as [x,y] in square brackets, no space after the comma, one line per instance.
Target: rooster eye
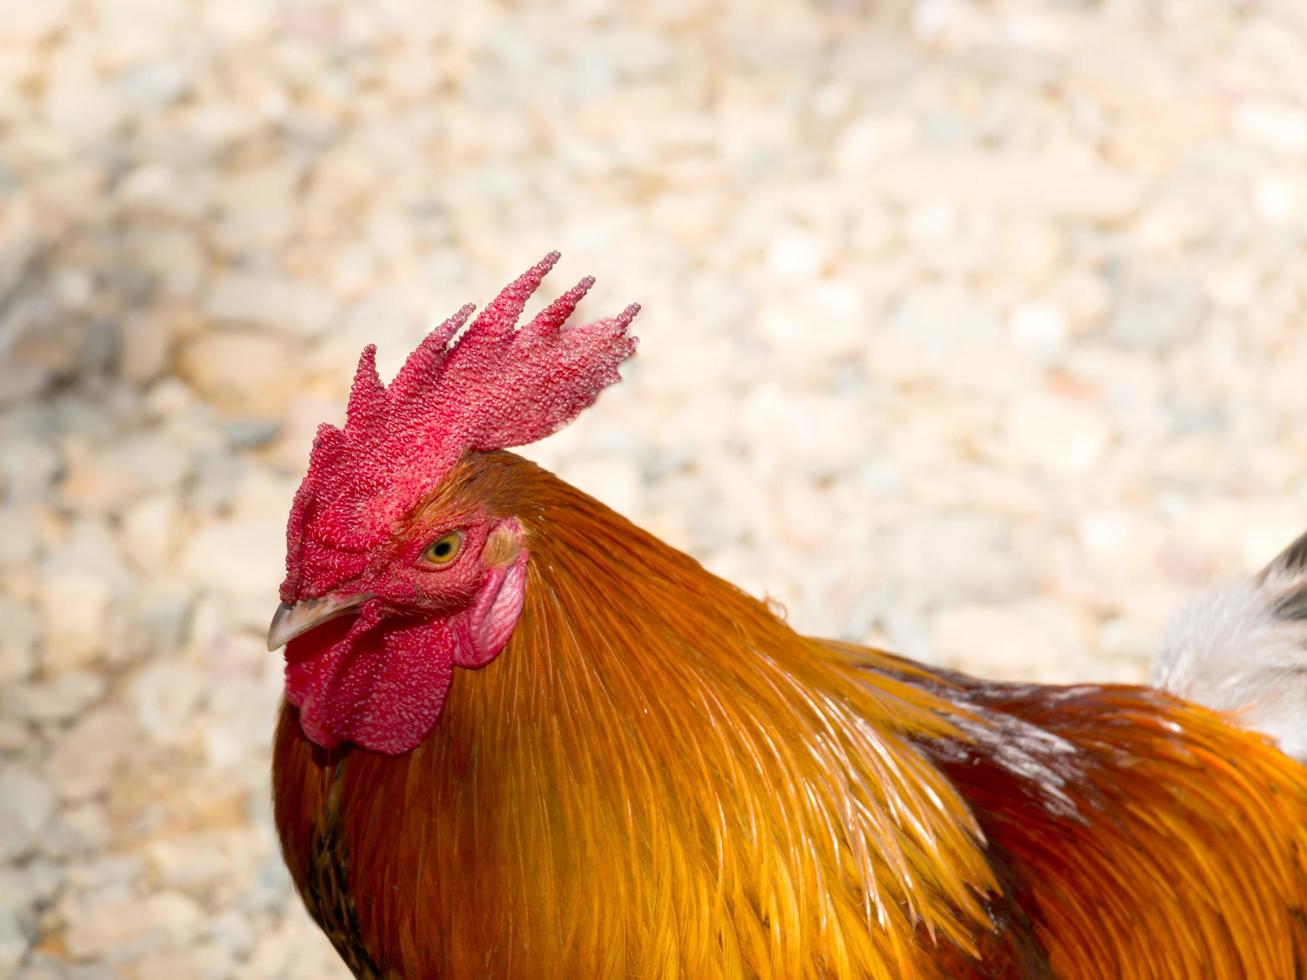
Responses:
[444,549]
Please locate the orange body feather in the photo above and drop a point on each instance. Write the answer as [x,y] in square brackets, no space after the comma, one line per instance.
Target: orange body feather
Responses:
[659,778]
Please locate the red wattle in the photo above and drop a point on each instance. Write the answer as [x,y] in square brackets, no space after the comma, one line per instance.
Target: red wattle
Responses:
[379,683]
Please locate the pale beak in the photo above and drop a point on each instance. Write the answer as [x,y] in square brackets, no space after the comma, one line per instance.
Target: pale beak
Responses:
[290,621]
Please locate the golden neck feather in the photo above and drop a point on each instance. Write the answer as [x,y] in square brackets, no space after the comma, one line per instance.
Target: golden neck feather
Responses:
[657,770]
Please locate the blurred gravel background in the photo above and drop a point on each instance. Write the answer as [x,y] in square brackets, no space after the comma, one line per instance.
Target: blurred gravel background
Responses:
[970,328]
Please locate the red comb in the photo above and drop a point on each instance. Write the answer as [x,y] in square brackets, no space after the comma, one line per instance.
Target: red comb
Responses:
[494,387]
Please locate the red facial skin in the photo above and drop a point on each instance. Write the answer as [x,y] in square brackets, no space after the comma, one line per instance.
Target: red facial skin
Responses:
[363,516]
[379,677]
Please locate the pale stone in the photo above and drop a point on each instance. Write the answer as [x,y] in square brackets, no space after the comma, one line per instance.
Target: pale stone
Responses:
[14,735]
[1038,327]
[295,950]
[18,537]
[119,472]
[74,613]
[874,230]
[1277,200]
[82,834]
[165,696]
[1279,126]
[30,23]
[829,325]
[238,368]
[945,22]
[14,942]
[28,465]
[18,917]
[1032,249]
[169,397]
[1172,226]
[170,253]
[151,531]
[204,861]
[27,804]
[88,754]
[56,699]
[1030,640]
[1057,433]
[953,558]
[79,107]
[153,185]
[930,224]
[242,714]
[1085,298]
[1155,313]
[119,928]
[271,301]
[151,87]
[144,345]
[1008,183]
[20,632]
[934,332]
[867,140]
[614,481]
[198,962]
[797,253]
[237,557]
[257,204]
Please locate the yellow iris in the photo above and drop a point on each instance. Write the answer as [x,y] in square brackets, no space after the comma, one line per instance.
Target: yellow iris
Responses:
[444,549]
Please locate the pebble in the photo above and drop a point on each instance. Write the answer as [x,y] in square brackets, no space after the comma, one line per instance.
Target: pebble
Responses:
[77,108]
[89,547]
[955,558]
[144,346]
[1054,432]
[172,259]
[18,537]
[942,332]
[57,699]
[207,863]
[1039,327]
[82,833]
[28,465]
[1277,125]
[1008,184]
[251,433]
[797,253]
[1278,200]
[269,300]
[20,635]
[238,369]
[164,697]
[74,613]
[121,929]
[32,23]
[14,735]
[151,531]
[86,757]
[236,556]
[20,891]
[1158,313]
[27,803]
[615,482]
[153,86]
[1032,640]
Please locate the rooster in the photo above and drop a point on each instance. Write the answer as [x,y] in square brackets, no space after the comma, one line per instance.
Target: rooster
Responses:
[524,738]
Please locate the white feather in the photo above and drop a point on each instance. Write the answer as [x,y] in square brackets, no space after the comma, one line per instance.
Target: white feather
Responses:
[1242,649]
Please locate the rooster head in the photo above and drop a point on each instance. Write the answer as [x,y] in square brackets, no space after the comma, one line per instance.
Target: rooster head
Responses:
[397,571]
